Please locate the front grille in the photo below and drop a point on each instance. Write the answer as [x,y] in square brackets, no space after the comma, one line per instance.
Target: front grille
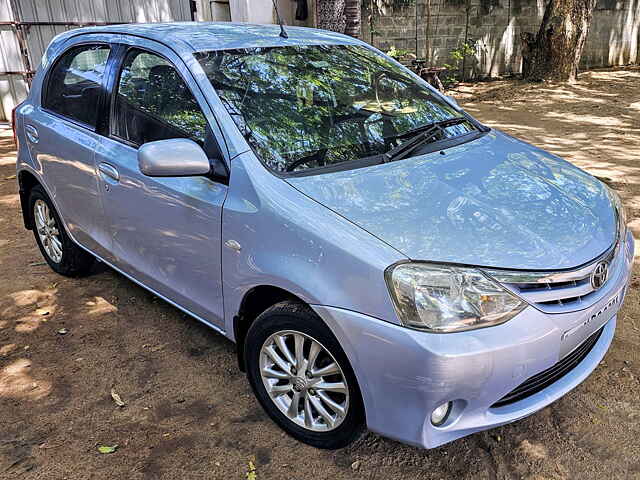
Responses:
[562,291]
[545,378]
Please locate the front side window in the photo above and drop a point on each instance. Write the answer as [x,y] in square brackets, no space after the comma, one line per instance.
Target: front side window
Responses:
[311,106]
[152,102]
[75,82]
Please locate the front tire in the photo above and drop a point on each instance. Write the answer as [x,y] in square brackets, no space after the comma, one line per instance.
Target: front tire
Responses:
[302,377]
[62,255]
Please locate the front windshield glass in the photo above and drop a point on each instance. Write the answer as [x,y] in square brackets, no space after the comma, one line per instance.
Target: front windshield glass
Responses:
[310,106]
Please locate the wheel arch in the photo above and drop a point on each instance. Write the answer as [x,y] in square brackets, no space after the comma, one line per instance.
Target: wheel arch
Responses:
[26,182]
[255,301]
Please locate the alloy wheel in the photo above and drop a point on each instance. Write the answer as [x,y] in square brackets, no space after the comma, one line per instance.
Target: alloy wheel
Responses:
[47,229]
[304,381]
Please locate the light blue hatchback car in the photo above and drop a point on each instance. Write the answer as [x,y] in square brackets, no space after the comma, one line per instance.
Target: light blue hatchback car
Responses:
[380,258]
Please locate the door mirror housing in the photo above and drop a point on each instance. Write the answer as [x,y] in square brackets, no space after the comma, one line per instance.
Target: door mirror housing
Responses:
[177,157]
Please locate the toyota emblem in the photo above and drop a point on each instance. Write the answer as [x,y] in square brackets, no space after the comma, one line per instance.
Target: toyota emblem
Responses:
[599,275]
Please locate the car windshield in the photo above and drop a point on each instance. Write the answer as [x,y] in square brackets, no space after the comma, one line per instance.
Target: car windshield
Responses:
[310,106]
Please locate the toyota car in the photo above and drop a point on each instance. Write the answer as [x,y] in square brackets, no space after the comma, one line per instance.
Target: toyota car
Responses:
[381,258]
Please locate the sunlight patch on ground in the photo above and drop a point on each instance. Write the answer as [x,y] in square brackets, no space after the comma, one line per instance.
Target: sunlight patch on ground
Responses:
[596,120]
[32,307]
[7,349]
[10,199]
[16,382]
[99,306]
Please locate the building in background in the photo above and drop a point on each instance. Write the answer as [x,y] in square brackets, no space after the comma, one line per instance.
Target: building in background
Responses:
[431,30]
[27,27]
[257,11]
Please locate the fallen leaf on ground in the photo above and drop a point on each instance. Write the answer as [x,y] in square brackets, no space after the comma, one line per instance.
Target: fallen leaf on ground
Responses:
[10,177]
[43,311]
[116,398]
[107,448]
[251,471]
[63,331]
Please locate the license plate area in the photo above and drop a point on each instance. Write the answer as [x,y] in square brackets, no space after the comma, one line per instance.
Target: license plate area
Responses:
[592,321]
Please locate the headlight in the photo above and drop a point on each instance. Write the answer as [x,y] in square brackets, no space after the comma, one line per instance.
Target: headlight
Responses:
[621,212]
[443,298]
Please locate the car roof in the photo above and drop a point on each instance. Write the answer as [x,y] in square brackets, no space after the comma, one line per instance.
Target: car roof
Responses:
[203,36]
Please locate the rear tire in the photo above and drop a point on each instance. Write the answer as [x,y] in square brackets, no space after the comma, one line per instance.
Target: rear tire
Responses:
[59,251]
[311,367]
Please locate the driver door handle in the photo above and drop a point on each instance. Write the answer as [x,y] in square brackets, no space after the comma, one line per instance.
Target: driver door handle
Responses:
[109,171]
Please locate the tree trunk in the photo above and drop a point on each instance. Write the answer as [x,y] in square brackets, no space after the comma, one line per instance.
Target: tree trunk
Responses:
[331,15]
[555,53]
[352,14]
[341,16]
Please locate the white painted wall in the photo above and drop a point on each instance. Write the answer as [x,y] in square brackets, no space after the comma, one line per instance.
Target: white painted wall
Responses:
[213,10]
[262,11]
[252,11]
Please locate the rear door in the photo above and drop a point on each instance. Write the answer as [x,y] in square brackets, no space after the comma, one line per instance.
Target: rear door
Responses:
[62,139]
[166,232]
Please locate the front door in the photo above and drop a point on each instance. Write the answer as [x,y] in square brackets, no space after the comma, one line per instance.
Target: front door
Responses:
[165,231]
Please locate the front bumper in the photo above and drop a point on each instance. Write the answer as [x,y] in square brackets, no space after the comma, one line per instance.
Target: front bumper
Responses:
[404,374]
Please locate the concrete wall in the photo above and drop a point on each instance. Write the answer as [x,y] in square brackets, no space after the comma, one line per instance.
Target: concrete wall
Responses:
[494,26]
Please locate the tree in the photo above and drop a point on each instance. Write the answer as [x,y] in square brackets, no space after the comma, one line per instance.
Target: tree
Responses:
[339,16]
[331,15]
[554,54]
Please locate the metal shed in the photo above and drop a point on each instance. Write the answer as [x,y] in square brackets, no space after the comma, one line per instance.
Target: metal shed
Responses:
[27,27]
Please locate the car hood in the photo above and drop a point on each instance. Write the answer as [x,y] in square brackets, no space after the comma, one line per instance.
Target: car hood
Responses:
[495,201]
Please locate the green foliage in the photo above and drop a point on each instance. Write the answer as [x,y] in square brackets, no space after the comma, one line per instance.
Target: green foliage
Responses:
[251,471]
[458,55]
[398,53]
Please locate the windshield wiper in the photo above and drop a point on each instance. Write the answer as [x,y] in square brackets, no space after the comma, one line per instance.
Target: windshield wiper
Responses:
[420,136]
[449,122]
[405,148]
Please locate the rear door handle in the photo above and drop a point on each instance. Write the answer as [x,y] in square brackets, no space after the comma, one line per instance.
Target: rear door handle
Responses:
[109,171]
[32,133]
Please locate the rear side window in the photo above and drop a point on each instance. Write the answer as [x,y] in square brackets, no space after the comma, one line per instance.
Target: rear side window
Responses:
[75,82]
[154,103]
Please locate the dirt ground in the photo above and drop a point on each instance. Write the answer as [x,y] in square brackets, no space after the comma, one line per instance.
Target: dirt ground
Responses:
[189,412]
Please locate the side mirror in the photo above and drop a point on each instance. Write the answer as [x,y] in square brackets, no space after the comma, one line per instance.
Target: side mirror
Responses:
[453,102]
[177,157]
